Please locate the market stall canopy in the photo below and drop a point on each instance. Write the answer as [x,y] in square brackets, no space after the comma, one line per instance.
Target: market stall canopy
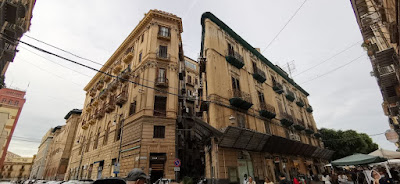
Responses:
[357,159]
[386,154]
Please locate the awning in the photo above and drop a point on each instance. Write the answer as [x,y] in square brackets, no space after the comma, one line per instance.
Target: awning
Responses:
[249,139]
[385,154]
[357,159]
[202,129]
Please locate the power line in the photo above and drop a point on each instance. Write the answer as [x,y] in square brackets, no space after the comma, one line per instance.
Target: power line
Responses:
[295,13]
[333,69]
[68,52]
[344,50]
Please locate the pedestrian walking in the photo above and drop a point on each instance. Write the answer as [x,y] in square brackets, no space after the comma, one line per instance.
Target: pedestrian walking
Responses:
[250,181]
[326,178]
[136,176]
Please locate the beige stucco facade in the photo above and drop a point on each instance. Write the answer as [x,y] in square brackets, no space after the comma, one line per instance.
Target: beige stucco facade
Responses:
[266,119]
[39,164]
[16,168]
[57,157]
[140,102]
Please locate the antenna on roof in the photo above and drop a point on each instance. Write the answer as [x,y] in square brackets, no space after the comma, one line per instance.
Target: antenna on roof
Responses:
[289,68]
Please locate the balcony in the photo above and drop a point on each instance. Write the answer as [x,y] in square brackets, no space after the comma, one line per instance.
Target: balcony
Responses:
[240,100]
[162,82]
[267,111]
[92,119]
[110,104]
[103,94]
[92,93]
[290,96]
[300,125]
[235,59]
[85,125]
[259,75]
[286,119]
[317,135]
[277,87]
[100,85]
[128,58]
[117,69]
[164,35]
[99,113]
[309,131]
[122,97]
[113,85]
[125,74]
[309,109]
[162,56]
[300,103]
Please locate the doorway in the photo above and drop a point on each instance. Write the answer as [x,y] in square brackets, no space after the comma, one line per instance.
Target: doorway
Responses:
[157,164]
[245,166]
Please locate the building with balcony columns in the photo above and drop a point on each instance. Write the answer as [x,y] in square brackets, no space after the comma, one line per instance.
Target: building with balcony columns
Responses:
[192,85]
[131,106]
[264,119]
[16,168]
[58,155]
[379,26]
[15,20]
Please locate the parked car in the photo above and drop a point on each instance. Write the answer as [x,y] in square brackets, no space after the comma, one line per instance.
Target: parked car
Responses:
[55,182]
[110,181]
[79,182]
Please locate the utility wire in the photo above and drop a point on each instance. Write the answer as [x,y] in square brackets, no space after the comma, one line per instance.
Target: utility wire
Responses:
[320,63]
[333,69]
[295,13]
[68,52]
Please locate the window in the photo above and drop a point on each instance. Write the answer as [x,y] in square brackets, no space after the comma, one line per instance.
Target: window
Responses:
[132,108]
[241,120]
[118,131]
[386,70]
[105,139]
[160,105]
[195,81]
[129,50]
[231,51]
[254,67]
[235,84]
[10,102]
[16,102]
[161,75]
[142,38]
[140,57]
[137,80]
[88,142]
[159,132]
[163,31]
[261,97]
[189,93]
[4,100]
[267,127]
[280,107]
[162,52]
[189,79]
[96,142]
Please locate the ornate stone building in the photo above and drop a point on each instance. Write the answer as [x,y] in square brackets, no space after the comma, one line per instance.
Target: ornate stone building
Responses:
[57,157]
[132,123]
[16,168]
[264,118]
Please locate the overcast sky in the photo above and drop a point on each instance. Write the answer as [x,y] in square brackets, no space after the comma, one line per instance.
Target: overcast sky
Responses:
[346,98]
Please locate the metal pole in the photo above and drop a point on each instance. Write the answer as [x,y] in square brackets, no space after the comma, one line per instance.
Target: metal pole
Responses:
[120,144]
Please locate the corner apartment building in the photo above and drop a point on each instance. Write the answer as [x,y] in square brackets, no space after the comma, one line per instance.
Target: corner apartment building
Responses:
[16,168]
[264,117]
[130,120]
[39,164]
[11,104]
[15,20]
[60,149]
[379,26]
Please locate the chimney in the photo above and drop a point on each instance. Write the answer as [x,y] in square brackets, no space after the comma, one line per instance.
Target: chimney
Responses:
[258,49]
